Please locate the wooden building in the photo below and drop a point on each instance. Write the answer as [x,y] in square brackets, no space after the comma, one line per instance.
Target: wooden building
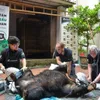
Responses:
[37,24]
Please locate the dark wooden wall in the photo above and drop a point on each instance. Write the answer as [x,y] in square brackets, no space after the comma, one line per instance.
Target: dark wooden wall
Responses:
[34,34]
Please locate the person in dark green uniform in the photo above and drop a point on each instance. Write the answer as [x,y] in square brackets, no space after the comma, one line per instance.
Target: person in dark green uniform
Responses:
[13,56]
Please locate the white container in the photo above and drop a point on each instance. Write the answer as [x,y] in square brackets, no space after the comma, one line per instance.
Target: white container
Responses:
[97,85]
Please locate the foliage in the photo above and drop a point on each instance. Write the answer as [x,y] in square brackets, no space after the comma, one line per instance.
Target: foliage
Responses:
[84,21]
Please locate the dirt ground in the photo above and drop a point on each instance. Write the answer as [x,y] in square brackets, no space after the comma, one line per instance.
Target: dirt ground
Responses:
[77,69]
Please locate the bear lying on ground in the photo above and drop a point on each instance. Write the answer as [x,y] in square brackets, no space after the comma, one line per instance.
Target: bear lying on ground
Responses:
[48,83]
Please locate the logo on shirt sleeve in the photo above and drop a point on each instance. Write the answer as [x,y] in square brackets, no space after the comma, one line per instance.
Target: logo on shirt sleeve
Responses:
[0,56]
[22,54]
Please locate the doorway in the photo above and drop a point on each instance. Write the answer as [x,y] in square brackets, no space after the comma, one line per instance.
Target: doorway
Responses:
[34,34]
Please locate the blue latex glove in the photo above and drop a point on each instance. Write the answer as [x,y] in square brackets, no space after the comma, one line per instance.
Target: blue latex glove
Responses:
[18,97]
[51,98]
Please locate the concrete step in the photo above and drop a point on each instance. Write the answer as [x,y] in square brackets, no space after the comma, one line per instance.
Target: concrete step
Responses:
[40,62]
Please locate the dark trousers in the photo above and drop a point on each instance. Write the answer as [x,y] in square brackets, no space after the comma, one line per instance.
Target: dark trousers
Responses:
[93,74]
[94,71]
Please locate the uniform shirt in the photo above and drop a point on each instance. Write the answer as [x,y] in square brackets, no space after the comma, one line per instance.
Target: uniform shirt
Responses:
[67,57]
[95,62]
[91,60]
[11,58]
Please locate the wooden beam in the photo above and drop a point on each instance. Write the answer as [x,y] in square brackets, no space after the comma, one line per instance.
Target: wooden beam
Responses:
[24,8]
[63,2]
[26,4]
[52,2]
[32,12]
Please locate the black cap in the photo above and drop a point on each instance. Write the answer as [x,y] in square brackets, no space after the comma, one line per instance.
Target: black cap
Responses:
[13,40]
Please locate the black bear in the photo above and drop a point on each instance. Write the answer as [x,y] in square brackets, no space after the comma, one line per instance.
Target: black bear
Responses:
[46,84]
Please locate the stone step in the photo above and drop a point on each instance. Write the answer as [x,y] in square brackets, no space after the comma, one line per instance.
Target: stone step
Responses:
[40,62]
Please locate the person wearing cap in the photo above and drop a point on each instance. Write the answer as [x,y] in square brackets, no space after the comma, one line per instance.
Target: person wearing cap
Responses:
[64,57]
[93,64]
[13,56]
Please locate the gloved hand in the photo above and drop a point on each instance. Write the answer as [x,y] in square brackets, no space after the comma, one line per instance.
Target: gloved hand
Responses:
[64,63]
[2,68]
[53,66]
[24,68]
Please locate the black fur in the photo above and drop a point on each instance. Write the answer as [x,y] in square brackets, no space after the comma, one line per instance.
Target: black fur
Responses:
[46,84]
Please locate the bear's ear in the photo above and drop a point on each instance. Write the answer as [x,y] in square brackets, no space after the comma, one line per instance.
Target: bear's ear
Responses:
[27,74]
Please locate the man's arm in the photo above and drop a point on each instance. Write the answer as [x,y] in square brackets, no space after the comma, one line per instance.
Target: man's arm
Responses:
[2,67]
[89,72]
[69,67]
[97,79]
[58,60]
[69,63]
[23,62]
[2,57]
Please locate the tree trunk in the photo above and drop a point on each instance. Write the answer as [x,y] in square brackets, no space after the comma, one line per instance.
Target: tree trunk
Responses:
[87,37]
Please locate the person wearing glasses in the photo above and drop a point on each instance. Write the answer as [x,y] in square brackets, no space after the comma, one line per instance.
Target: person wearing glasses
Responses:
[13,56]
[93,64]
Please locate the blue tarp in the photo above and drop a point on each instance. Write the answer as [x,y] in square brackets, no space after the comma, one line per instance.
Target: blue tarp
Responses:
[51,98]
[94,95]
